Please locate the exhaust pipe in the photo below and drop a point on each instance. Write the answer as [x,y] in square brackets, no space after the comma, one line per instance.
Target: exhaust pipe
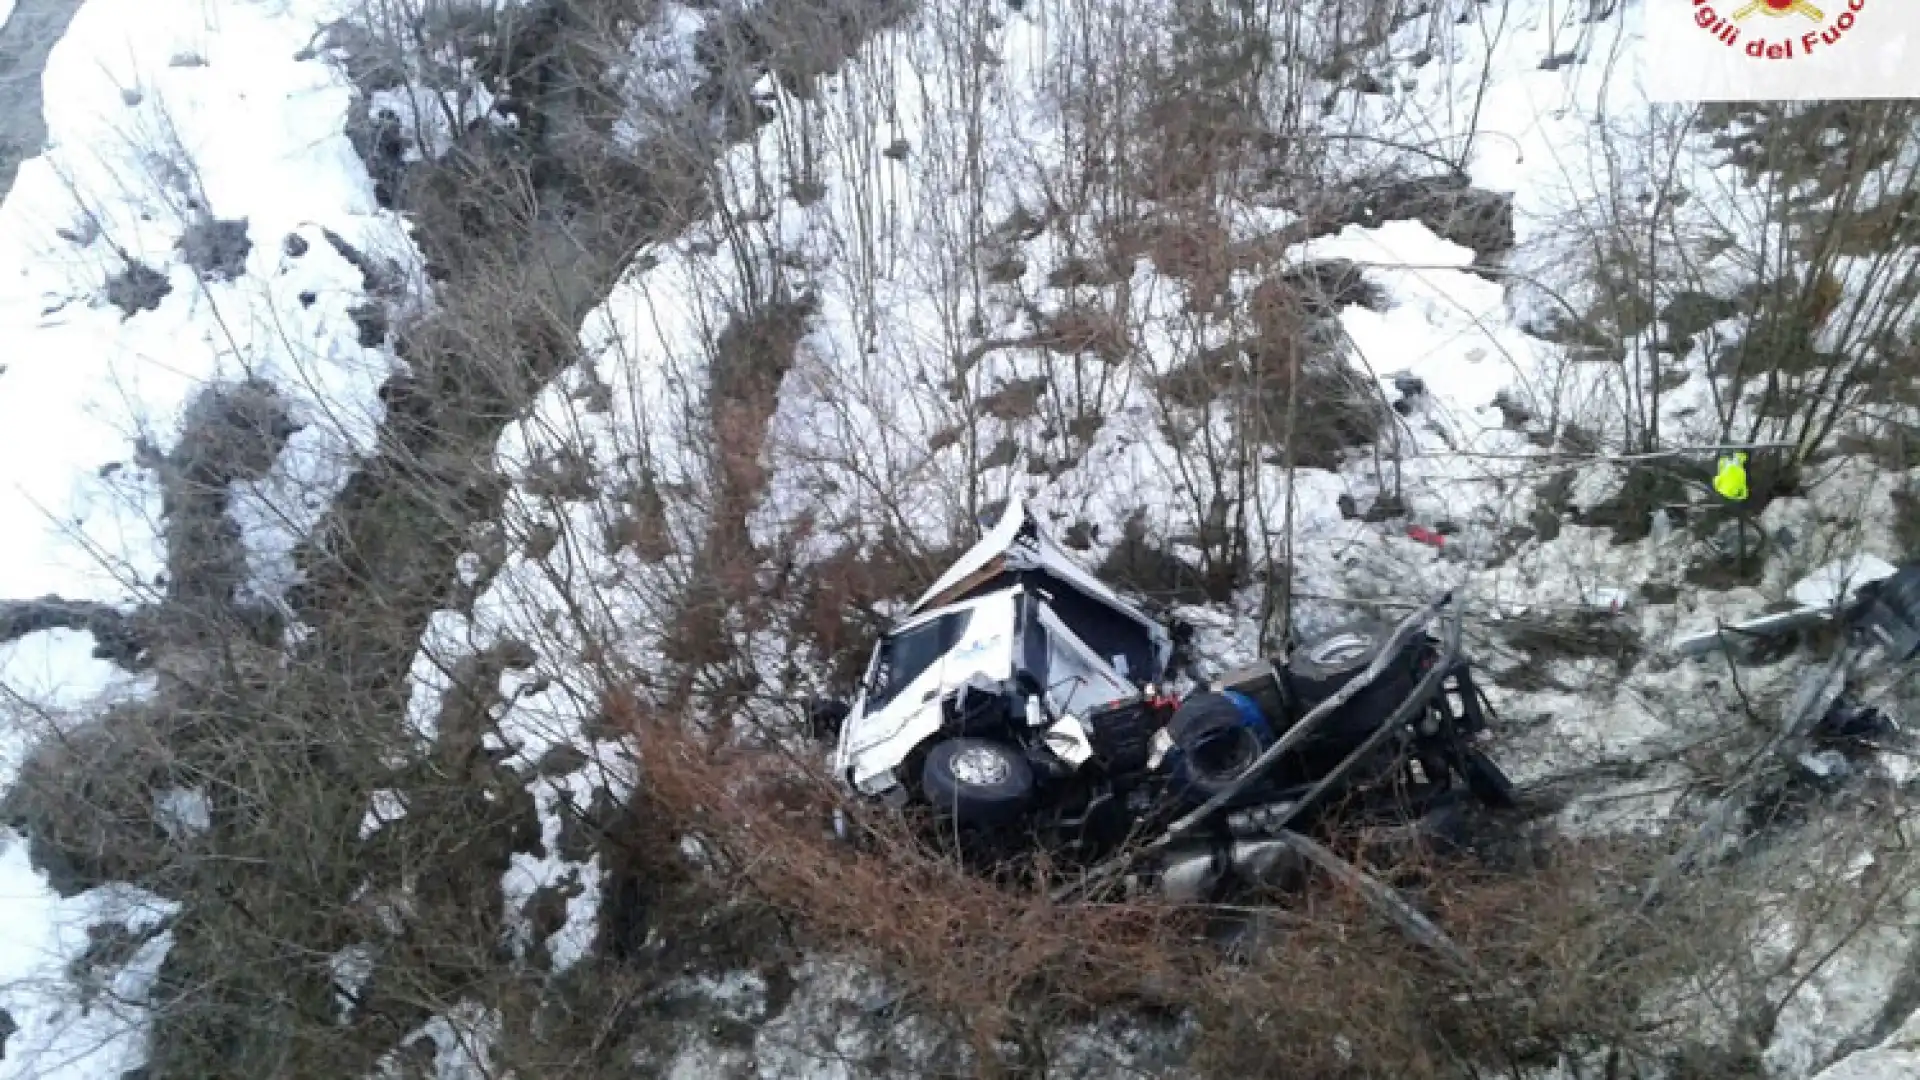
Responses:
[1189,875]
[1270,863]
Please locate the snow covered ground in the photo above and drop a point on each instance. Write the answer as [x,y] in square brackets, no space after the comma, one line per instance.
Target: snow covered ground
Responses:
[161,115]
[871,429]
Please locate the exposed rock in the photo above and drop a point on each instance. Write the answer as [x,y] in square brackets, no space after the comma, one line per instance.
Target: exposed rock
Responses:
[1690,312]
[117,636]
[232,432]
[381,277]
[81,233]
[217,249]
[137,288]
[1471,217]
[1896,1059]
[372,323]
[561,759]
[1327,285]
[1514,414]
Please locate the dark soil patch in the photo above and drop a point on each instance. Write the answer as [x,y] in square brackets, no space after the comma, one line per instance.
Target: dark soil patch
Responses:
[1324,286]
[1017,400]
[1906,521]
[137,288]
[1734,568]
[1138,565]
[1551,500]
[216,248]
[1076,271]
[1588,636]
[1003,453]
[1084,330]
[1654,592]
[1629,512]
[1514,414]
[1476,219]
[1691,312]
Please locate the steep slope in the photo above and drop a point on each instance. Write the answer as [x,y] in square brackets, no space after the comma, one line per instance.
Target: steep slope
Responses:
[1234,297]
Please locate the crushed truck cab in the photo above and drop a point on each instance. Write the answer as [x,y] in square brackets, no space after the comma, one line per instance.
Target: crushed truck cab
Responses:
[1014,627]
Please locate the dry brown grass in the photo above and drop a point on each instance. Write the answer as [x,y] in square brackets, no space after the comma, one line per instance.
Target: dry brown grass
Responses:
[968,947]
[1325,989]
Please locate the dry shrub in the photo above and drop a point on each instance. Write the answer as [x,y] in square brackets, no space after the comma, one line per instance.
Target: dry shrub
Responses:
[967,947]
[1085,329]
[839,603]
[1325,988]
[1340,994]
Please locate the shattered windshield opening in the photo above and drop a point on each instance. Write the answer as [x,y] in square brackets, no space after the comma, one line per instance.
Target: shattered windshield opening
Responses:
[1075,683]
[907,655]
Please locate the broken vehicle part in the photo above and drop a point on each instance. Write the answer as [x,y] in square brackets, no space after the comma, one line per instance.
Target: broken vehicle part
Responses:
[1069,741]
[1327,708]
[1441,666]
[1487,780]
[1837,583]
[1863,590]
[1322,667]
[1216,739]
[1195,873]
[1888,613]
[1386,900]
[1262,683]
[1848,722]
[1023,706]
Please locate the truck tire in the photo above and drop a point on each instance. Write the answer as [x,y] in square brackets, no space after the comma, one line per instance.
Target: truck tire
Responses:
[976,781]
[1218,737]
[1319,668]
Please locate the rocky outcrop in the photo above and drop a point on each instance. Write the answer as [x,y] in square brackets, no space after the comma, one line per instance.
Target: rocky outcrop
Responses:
[1898,1058]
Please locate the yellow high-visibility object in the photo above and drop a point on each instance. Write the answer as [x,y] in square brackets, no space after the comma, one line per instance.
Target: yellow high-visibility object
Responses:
[1731,480]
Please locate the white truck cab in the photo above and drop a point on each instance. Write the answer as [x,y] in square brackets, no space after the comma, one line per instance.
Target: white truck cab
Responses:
[1016,610]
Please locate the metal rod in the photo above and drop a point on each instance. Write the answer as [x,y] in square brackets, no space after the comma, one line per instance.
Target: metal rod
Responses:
[1391,652]
[1407,627]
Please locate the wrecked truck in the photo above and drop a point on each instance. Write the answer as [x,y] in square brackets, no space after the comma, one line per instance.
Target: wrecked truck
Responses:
[1020,703]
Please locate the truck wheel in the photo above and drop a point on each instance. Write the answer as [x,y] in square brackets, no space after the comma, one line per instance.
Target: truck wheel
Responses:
[1319,668]
[976,781]
[1488,782]
[1218,740]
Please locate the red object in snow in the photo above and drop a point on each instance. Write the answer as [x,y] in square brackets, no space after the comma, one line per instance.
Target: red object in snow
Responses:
[1422,534]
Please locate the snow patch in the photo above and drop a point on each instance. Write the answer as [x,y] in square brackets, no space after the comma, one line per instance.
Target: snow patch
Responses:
[183,812]
[433,117]
[250,134]
[352,969]
[71,1030]
[385,807]
[50,684]
[464,1041]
